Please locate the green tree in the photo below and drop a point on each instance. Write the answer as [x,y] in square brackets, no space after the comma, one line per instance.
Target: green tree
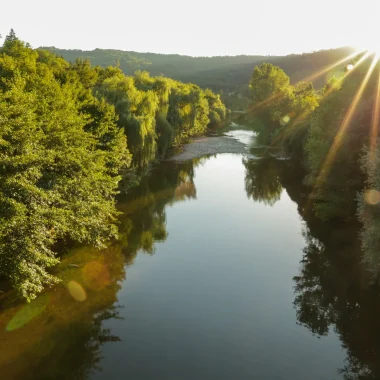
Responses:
[63,151]
[267,81]
[58,168]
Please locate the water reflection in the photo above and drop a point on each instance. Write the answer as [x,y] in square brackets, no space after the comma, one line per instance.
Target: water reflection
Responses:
[143,218]
[60,334]
[333,291]
[65,339]
[262,182]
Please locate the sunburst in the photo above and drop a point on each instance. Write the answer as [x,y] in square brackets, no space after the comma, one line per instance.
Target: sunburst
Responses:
[349,70]
[372,51]
[342,129]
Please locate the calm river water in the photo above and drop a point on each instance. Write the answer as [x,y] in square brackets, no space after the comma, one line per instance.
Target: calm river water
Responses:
[215,276]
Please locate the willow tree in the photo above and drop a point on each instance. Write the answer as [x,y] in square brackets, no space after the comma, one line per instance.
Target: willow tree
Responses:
[136,111]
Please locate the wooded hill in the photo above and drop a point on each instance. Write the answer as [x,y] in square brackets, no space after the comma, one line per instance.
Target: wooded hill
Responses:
[226,73]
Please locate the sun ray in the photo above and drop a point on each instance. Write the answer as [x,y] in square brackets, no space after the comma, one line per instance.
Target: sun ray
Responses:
[375,121]
[304,115]
[310,78]
[324,171]
[264,102]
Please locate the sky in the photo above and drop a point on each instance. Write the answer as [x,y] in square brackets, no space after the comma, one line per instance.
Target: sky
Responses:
[195,27]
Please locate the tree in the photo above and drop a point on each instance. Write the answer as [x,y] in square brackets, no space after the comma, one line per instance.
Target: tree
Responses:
[58,168]
[267,81]
[11,37]
[63,151]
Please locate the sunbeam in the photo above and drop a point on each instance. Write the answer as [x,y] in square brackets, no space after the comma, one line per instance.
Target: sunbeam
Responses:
[304,115]
[312,77]
[265,102]
[375,121]
[342,129]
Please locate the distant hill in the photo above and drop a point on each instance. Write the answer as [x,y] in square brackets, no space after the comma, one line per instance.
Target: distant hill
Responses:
[227,73]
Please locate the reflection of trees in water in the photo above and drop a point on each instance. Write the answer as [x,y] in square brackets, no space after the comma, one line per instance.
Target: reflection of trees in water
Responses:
[369,215]
[312,303]
[143,221]
[78,352]
[65,340]
[262,182]
[333,290]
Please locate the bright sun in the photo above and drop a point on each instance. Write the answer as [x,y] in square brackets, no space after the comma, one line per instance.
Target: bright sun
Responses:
[374,47]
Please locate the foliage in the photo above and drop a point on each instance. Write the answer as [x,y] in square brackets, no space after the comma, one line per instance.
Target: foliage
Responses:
[59,161]
[332,132]
[267,80]
[337,179]
[313,127]
[63,150]
[229,74]
[277,108]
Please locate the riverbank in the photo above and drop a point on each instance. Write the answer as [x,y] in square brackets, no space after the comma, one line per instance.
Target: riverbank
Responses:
[209,145]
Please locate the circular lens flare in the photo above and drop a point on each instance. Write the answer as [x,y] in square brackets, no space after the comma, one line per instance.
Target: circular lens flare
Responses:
[372,197]
[76,291]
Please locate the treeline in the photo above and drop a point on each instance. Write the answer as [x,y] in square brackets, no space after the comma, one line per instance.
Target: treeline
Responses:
[185,68]
[69,133]
[333,133]
[227,75]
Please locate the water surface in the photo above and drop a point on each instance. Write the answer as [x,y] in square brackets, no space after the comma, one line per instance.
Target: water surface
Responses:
[215,276]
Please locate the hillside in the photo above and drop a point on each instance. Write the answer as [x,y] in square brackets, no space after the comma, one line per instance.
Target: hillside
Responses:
[227,73]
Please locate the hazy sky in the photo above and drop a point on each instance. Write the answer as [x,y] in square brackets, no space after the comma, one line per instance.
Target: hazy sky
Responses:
[194,27]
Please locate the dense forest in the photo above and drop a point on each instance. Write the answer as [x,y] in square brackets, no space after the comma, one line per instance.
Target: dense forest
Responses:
[226,75]
[332,132]
[72,136]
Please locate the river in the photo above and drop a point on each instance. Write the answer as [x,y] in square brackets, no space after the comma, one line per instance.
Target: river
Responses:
[216,276]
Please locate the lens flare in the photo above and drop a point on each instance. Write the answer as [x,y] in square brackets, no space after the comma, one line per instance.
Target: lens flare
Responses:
[96,275]
[285,120]
[309,78]
[342,129]
[372,197]
[76,291]
[28,312]
[301,117]
[330,67]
